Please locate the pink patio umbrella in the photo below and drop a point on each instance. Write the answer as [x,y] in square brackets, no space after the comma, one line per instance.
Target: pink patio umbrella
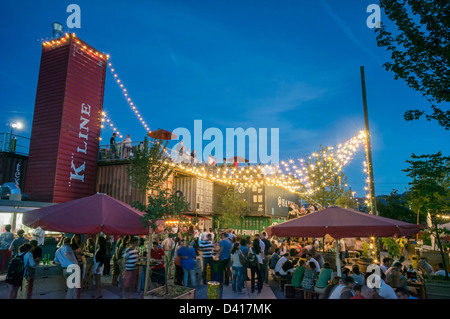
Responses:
[89,215]
[342,223]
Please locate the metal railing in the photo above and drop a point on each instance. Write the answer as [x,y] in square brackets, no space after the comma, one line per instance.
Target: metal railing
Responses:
[124,151]
[13,143]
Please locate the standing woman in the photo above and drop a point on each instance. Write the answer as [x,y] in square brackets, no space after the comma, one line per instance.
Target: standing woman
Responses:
[187,255]
[236,266]
[177,261]
[99,263]
[258,268]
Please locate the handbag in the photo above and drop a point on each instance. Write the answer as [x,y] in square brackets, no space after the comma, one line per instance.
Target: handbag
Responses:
[242,259]
[177,261]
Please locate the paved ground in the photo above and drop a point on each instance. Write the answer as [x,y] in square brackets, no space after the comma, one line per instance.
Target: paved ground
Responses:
[112,292]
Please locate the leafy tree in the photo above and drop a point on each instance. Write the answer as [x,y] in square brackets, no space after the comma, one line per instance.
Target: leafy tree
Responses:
[326,181]
[396,207]
[231,209]
[346,200]
[147,169]
[420,52]
[430,188]
[149,173]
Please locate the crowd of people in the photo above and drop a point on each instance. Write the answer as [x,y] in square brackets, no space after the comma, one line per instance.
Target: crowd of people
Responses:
[197,257]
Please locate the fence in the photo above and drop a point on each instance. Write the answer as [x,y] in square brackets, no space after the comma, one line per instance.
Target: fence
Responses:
[12,143]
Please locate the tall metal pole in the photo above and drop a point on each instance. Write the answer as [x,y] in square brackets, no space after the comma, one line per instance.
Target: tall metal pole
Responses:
[373,202]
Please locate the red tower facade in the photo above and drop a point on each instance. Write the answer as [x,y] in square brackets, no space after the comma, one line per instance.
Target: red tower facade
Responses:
[67,120]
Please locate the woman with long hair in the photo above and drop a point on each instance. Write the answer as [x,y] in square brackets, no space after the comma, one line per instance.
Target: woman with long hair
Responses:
[257,267]
[236,266]
[99,263]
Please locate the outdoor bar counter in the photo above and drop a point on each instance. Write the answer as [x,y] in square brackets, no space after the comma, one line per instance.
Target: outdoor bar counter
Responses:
[48,279]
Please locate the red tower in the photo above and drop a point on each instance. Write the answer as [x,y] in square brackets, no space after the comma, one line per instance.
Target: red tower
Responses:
[66,124]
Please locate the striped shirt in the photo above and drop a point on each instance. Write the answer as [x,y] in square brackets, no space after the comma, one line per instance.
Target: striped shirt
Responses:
[131,258]
[206,248]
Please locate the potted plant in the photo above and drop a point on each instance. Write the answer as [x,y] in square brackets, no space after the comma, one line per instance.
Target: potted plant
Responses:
[392,247]
[365,259]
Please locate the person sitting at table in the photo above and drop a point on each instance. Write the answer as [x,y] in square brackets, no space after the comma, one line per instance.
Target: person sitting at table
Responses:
[387,263]
[348,282]
[299,272]
[308,279]
[287,269]
[158,272]
[322,280]
[394,277]
[403,293]
[274,258]
[334,282]
[280,263]
[440,270]
[356,275]
[425,267]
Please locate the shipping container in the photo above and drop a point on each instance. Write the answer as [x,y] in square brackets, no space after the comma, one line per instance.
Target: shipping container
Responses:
[13,168]
[66,124]
[198,192]
[113,180]
[265,200]
[277,201]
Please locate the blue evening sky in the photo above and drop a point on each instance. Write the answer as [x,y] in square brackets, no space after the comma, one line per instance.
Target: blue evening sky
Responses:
[292,65]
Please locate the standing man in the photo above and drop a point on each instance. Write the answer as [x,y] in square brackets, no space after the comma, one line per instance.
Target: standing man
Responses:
[39,235]
[112,145]
[65,257]
[168,246]
[267,247]
[207,249]
[158,274]
[6,238]
[19,241]
[224,259]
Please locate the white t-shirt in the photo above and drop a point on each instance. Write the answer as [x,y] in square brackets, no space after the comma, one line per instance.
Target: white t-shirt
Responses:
[258,256]
[336,294]
[386,291]
[316,263]
[279,264]
[39,232]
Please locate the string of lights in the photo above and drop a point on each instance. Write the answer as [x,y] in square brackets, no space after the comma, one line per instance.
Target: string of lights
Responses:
[127,97]
[107,122]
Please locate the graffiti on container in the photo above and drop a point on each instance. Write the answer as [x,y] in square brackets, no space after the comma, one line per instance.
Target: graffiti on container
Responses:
[246,232]
[17,175]
[83,135]
[282,202]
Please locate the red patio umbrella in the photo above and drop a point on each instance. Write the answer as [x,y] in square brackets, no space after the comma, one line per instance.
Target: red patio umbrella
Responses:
[89,215]
[342,223]
[161,134]
[237,159]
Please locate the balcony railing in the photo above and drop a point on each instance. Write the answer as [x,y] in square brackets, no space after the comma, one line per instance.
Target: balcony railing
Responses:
[12,143]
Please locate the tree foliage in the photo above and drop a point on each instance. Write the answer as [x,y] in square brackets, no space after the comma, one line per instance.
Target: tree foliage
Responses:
[326,181]
[430,188]
[231,209]
[420,52]
[395,206]
[147,170]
